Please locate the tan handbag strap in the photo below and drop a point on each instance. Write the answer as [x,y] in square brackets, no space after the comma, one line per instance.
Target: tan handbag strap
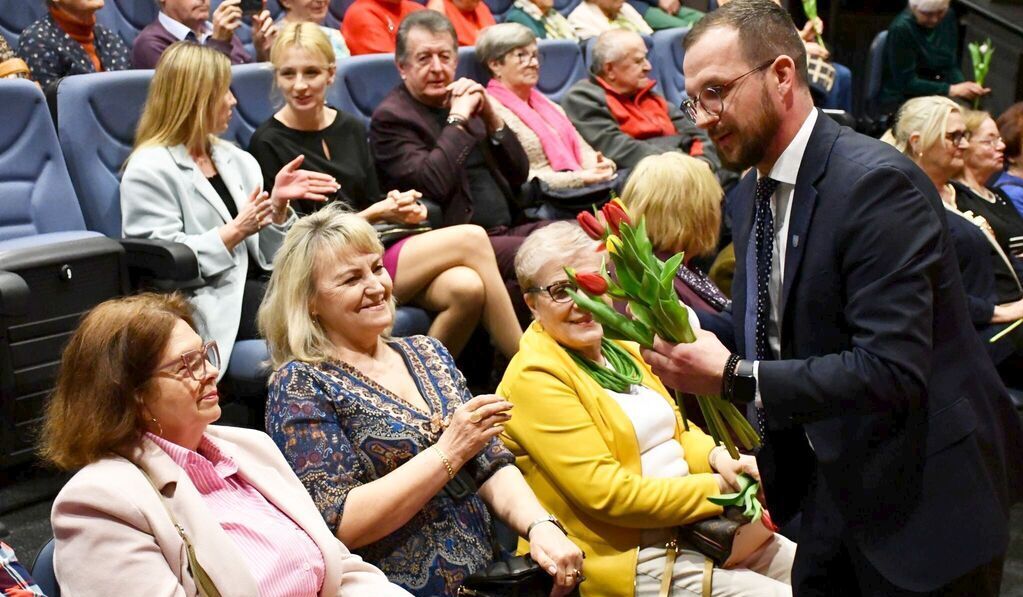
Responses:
[670,554]
[13,66]
[708,577]
[203,582]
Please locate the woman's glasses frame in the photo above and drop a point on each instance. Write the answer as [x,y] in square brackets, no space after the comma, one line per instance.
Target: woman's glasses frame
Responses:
[195,362]
[556,291]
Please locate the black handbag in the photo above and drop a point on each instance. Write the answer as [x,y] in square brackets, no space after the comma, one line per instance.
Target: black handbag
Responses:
[392,233]
[518,576]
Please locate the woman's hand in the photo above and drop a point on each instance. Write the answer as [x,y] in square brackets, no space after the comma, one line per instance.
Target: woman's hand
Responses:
[1007,312]
[730,469]
[292,183]
[472,426]
[264,33]
[251,218]
[812,29]
[561,558]
[967,90]
[815,50]
[401,207]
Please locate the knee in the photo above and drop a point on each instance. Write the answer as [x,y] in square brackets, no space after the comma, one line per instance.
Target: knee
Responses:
[463,287]
[473,240]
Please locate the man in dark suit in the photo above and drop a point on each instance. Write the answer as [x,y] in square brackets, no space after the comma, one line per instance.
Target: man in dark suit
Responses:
[883,420]
[442,137]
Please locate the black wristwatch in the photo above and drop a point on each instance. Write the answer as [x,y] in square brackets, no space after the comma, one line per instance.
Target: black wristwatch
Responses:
[497,137]
[744,385]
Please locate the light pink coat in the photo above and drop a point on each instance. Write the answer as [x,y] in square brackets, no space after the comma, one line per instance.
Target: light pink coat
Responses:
[113,537]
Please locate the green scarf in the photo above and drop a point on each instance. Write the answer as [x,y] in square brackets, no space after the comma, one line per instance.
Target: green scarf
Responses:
[623,373]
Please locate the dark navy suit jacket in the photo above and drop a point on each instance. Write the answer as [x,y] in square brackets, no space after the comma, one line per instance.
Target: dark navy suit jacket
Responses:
[881,370]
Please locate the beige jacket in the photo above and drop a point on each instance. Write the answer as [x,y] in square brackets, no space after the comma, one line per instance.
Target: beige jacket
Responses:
[113,536]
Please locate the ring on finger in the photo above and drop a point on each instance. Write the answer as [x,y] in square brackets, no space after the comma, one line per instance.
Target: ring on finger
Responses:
[475,417]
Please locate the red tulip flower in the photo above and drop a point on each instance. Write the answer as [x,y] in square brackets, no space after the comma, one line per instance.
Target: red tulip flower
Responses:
[615,216]
[592,283]
[765,517]
[591,225]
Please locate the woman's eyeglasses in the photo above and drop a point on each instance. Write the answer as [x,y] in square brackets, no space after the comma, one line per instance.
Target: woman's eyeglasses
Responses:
[712,98]
[992,142]
[195,362]
[958,137]
[524,57]
[558,291]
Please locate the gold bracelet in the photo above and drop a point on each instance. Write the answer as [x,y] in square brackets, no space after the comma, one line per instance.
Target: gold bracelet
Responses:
[447,463]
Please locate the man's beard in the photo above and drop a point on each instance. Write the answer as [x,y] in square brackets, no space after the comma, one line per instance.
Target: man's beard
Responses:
[751,143]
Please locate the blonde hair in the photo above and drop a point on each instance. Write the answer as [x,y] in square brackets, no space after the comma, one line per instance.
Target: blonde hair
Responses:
[190,82]
[974,118]
[925,116]
[556,241]
[284,318]
[681,200]
[306,36]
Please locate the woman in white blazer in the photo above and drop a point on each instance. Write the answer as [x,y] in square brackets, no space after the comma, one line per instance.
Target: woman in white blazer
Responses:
[132,408]
[183,184]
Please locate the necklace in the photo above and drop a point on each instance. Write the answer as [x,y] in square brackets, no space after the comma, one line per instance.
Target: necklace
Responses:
[623,373]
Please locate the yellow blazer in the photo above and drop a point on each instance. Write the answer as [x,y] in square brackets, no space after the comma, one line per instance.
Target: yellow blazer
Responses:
[578,451]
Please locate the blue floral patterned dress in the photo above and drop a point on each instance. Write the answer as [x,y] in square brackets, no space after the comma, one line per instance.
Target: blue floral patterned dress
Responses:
[339,430]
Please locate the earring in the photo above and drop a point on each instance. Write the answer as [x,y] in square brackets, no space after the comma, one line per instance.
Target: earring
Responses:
[159,426]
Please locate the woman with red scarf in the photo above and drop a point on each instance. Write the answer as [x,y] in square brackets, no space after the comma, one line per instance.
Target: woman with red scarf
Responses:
[67,41]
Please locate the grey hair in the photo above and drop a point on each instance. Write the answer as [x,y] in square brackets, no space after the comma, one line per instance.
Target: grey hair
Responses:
[431,21]
[929,5]
[558,241]
[496,41]
[608,48]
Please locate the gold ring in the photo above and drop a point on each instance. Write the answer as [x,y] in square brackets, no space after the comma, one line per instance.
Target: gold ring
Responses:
[475,417]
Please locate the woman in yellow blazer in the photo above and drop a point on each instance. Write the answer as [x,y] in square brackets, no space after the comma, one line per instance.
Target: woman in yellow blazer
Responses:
[616,468]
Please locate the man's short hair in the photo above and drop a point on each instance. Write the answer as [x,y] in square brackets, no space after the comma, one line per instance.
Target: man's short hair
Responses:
[766,31]
[608,48]
[431,21]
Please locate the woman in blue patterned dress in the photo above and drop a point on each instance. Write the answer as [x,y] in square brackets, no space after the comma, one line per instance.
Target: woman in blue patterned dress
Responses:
[400,459]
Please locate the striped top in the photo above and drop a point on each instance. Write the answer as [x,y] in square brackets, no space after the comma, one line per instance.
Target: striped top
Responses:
[281,556]
[14,579]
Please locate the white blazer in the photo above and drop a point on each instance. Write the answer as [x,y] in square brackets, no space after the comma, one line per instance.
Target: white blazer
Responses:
[164,195]
[114,537]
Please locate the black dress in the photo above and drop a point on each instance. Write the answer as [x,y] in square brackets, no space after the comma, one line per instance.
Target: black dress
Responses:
[274,145]
[1005,221]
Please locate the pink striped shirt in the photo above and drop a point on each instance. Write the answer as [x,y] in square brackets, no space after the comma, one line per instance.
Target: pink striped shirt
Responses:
[282,557]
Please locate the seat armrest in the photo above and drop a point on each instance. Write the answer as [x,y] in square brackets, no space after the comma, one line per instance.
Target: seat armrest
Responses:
[161,259]
[14,294]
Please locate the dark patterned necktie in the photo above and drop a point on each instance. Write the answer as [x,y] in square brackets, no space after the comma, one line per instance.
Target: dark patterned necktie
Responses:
[763,232]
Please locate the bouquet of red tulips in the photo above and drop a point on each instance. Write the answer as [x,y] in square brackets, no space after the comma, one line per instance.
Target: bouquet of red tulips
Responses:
[647,284]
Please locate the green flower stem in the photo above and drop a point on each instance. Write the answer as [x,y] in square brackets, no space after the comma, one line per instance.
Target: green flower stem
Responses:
[681,408]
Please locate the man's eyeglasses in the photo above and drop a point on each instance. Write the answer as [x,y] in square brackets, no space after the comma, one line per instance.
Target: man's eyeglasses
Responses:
[195,362]
[712,98]
[558,291]
[958,137]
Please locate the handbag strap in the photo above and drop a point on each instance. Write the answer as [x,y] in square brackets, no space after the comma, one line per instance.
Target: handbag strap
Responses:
[202,580]
[670,554]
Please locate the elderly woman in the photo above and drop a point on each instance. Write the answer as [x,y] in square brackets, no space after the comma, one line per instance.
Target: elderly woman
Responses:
[166,503]
[1010,182]
[593,17]
[681,201]
[183,184]
[558,155]
[931,131]
[603,446]
[983,159]
[312,11]
[11,66]
[921,56]
[541,18]
[451,271]
[400,459]
[67,41]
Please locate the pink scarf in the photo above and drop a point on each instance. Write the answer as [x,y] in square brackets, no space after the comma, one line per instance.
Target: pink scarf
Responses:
[560,144]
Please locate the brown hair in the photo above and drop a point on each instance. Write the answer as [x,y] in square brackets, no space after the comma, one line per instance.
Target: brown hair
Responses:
[95,409]
[1010,127]
[766,31]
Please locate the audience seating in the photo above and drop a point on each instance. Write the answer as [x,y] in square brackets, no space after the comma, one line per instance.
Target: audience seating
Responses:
[52,269]
[566,6]
[252,85]
[127,17]
[560,67]
[875,71]
[499,8]
[667,55]
[15,15]
[43,573]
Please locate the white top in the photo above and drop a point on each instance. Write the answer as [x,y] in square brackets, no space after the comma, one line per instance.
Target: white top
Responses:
[653,421]
[180,30]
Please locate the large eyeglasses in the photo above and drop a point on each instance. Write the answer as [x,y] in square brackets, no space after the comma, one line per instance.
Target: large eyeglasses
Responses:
[524,57]
[958,137]
[558,291]
[992,142]
[196,362]
[712,98]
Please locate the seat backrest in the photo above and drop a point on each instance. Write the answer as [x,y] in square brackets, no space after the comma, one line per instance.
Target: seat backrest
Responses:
[127,17]
[875,69]
[252,85]
[566,6]
[42,571]
[336,12]
[666,56]
[499,8]
[561,65]
[37,196]
[15,15]
[362,82]
[96,119]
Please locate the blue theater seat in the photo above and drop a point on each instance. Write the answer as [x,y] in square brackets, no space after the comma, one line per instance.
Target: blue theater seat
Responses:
[566,6]
[667,55]
[875,73]
[43,573]
[362,82]
[127,17]
[499,8]
[15,15]
[52,269]
[561,65]
[252,85]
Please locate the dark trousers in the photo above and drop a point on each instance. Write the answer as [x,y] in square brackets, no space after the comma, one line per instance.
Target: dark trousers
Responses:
[506,242]
[255,289]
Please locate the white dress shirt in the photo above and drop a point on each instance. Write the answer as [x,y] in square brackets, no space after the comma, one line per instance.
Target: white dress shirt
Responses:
[180,31]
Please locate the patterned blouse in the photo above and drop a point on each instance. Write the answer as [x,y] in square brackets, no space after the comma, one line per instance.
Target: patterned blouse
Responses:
[339,429]
[52,54]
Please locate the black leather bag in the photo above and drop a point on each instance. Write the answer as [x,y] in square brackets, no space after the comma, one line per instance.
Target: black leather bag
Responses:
[392,233]
[518,576]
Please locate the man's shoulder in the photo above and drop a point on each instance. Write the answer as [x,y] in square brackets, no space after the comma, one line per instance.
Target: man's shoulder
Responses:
[398,104]
[584,91]
[854,152]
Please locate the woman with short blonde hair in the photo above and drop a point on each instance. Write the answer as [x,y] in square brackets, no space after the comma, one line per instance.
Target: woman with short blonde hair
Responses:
[184,184]
[681,200]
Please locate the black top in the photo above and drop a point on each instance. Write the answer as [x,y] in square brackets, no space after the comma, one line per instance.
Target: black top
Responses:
[225,195]
[274,145]
[1001,215]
